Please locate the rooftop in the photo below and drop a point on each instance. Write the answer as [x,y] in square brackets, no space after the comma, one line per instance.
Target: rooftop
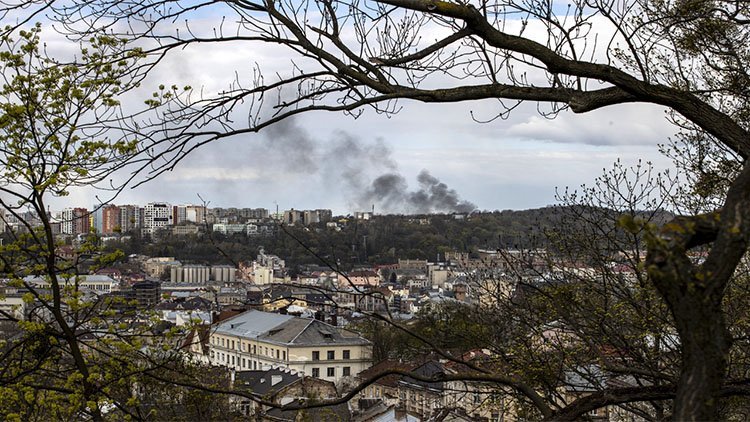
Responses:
[286,329]
[251,324]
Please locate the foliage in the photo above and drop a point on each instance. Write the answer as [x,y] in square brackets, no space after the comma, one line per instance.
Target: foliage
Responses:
[690,57]
[50,130]
[389,237]
[67,352]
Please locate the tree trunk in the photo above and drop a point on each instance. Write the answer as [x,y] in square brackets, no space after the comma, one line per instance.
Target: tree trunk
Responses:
[705,345]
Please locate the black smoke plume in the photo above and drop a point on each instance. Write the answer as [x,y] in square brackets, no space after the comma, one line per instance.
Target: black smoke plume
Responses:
[391,193]
[365,172]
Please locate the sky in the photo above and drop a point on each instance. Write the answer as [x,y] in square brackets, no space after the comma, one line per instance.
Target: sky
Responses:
[327,160]
[426,157]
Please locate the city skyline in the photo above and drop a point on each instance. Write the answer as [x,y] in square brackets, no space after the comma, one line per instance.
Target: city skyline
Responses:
[509,172]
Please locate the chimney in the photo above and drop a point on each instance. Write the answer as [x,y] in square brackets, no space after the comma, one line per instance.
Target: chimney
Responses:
[400,413]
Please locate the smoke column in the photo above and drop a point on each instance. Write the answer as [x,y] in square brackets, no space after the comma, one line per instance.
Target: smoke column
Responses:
[365,172]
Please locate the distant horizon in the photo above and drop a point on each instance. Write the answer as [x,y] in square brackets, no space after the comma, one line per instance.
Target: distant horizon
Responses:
[281,210]
[411,157]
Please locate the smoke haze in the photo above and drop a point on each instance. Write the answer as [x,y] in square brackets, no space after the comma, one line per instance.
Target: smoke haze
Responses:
[366,173]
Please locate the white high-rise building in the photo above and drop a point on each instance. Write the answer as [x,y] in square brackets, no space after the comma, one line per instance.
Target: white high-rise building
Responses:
[74,221]
[131,217]
[180,214]
[156,215]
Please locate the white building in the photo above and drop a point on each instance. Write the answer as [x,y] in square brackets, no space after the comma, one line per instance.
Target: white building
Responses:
[226,228]
[14,305]
[256,340]
[67,218]
[74,221]
[99,284]
[156,215]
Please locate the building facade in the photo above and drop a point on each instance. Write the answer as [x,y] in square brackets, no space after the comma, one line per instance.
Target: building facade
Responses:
[130,217]
[256,340]
[74,221]
[191,274]
[195,214]
[111,219]
[156,215]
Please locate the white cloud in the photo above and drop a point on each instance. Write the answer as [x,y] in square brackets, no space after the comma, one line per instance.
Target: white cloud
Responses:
[216,174]
[631,124]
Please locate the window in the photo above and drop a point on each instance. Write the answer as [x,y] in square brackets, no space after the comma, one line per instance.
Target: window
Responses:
[277,353]
[331,372]
[243,363]
[245,408]
[283,355]
[346,371]
[316,372]
[316,355]
[222,342]
[254,349]
[331,354]
[232,360]
[347,354]
[232,345]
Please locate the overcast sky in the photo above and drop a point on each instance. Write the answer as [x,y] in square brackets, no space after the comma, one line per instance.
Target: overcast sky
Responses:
[327,160]
[506,164]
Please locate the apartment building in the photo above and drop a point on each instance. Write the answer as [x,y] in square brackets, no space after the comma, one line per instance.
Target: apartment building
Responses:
[256,340]
[110,219]
[75,221]
[156,215]
[131,217]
